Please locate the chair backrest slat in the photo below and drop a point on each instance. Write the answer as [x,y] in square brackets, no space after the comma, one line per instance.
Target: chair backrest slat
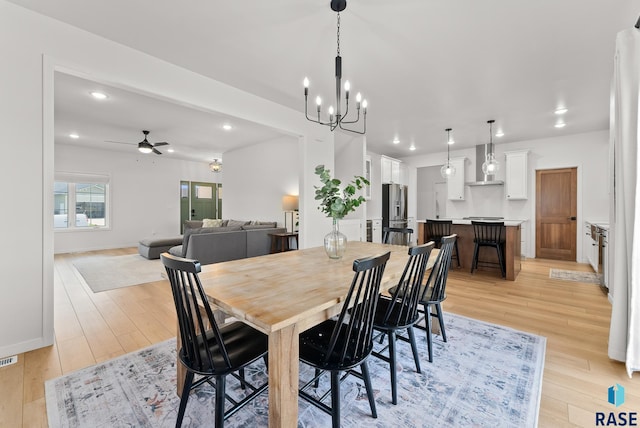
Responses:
[403,307]
[488,231]
[436,283]
[195,318]
[436,229]
[352,335]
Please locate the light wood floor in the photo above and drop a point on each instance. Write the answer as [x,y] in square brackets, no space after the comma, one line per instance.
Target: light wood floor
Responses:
[574,317]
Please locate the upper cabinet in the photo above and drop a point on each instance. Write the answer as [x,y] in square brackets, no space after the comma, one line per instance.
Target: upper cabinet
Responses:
[455,184]
[516,173]
[391,171]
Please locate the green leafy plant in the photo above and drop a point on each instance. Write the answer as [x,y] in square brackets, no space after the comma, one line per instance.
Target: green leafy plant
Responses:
[337,202]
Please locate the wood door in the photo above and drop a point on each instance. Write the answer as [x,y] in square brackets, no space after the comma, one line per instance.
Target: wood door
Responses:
[556,211]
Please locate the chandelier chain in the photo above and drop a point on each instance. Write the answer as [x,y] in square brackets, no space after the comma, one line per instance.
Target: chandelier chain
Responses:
[338,34]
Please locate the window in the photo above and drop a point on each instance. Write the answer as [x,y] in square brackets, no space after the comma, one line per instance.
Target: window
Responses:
[83,197]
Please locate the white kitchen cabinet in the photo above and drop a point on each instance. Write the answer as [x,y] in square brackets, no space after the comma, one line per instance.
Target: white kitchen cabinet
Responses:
[455,184]
[376,230]
[516,184]
[390,170]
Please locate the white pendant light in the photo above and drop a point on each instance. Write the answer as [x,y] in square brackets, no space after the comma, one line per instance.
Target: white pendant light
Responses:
[448,170]
[490,165]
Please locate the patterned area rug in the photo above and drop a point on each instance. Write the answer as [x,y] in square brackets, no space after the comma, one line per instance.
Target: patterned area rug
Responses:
[103,273]
[574,275]
[485,376]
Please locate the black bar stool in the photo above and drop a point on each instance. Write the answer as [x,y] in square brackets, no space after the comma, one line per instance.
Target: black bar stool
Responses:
[488,234]
[437,229]
[403,234]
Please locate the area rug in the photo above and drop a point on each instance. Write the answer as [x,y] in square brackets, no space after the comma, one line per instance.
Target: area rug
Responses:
[103,273]
[574,275]
[484,376]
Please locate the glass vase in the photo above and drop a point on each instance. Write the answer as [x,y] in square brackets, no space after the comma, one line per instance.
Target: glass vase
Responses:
[335,243]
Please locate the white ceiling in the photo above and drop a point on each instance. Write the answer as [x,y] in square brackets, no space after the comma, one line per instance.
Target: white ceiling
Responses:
[423,65]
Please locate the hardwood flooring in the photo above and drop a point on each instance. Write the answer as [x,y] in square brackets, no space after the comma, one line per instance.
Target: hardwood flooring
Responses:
[574,317]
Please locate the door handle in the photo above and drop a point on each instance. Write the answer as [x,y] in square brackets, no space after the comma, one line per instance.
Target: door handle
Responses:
[571,218]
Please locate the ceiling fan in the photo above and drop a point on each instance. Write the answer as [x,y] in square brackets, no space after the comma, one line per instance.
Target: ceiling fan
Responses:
[145,146]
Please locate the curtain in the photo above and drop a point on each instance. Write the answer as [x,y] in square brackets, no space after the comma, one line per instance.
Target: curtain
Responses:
[624,240]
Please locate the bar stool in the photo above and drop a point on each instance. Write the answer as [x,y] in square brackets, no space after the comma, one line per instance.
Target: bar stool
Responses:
[488,234]
[437,229]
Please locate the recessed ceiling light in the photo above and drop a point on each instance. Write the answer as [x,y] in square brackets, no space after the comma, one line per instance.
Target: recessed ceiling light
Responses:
[227,127]
[499,134]
[561,110]
[396,141]
[560,125]
[98,95]
[74,136]
[170,150]
[412,147]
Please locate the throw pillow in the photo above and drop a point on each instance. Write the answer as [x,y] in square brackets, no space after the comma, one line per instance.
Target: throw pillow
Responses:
[237,223]
[208,222]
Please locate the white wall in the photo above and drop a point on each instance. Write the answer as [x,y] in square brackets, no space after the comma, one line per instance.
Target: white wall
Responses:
[144,193]
[588,152]
[427,177]
[269,170]
[34,47]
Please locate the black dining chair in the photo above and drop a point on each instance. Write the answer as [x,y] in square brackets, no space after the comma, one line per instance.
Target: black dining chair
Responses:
[343,343]
[206,350]
[436,230]
[488,234]
[400,310]
[391,235]
[434,291]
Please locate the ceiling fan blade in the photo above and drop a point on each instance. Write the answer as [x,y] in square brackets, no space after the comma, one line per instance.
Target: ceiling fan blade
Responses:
[118,142]
[162,143]
[156,151]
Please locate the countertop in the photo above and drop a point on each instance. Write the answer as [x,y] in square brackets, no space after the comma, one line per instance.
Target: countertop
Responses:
[467,221]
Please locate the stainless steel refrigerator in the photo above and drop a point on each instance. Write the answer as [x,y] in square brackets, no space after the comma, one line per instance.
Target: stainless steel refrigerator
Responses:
[394,210]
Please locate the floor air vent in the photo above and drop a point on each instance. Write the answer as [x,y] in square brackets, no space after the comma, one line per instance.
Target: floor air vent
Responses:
[8,361]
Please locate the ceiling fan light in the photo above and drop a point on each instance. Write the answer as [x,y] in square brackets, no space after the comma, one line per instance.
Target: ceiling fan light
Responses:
[144,147]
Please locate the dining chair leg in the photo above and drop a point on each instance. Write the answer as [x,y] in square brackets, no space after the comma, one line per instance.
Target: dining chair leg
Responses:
[335,399]
[427,318]
[455,246]
[414,348]
[441,321]
[317,374]
[367,384]
[392,367]
[186,389]
[501,261]
[220,401]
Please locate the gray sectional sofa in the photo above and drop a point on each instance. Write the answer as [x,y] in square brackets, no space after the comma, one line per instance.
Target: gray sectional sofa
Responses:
[220,244]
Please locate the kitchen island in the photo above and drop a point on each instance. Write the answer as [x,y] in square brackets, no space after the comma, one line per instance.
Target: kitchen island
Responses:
[464,230]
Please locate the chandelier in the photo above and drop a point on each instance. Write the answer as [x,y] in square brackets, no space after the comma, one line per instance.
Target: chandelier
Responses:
[336,117]
[447,169]
[215,166]
[490,165]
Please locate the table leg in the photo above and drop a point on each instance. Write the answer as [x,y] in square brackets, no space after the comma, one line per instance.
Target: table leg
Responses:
[283,377]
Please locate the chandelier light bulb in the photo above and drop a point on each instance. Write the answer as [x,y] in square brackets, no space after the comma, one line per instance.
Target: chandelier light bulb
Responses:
[305,82]
[364,104]
[358,97]
[330,110]
[318,101]
[347,86]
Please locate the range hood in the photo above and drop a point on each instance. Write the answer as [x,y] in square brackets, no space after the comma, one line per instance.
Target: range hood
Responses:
[481,178]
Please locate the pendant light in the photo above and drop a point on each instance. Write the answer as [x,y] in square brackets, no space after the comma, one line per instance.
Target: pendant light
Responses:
[490,165]
[447,169]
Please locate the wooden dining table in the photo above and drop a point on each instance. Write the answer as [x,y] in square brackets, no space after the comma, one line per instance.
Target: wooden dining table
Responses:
[286,293]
